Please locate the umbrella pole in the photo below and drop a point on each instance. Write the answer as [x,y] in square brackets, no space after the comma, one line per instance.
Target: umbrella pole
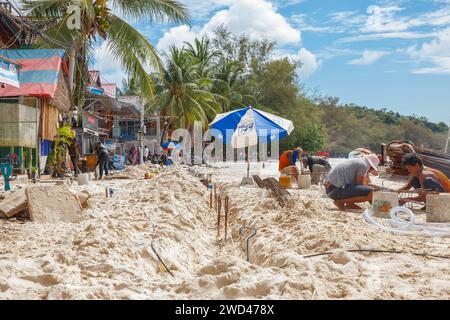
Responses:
[248,168]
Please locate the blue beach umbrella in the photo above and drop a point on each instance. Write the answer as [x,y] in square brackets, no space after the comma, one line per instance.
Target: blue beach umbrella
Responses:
[170,146]
[244,127]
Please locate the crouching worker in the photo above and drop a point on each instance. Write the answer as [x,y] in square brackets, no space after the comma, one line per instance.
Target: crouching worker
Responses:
[102,158]
[426,179]
[346,183]
[318,166]
[287,162]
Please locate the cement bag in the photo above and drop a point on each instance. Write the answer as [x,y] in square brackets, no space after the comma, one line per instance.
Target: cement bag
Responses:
[438,207]
[383,202]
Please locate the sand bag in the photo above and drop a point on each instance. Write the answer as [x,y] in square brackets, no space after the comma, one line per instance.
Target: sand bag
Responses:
[383,202]
[438,207]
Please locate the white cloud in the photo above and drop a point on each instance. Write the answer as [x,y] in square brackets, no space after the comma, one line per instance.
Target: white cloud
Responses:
[388,35]
[383,19]
[111,70]
[199,9]
[286,3]
[176,36]
[441,66]
[440,46]
[256,18]
[369,57]
[436,52]
[439,17]
[299,21]
[347,19]
[309,64]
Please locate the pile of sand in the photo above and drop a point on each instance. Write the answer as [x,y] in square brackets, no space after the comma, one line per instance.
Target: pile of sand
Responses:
[109,254]
[138,171]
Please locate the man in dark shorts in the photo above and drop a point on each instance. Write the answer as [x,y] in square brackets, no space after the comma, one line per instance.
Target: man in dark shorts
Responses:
[102,159]
[345,183]
[74,155]
[317,166]
[427,179]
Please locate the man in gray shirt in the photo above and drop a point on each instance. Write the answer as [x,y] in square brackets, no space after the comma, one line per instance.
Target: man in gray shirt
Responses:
[346,182]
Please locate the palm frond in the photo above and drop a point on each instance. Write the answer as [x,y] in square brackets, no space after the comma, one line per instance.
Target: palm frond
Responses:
[153,10]
[133,57]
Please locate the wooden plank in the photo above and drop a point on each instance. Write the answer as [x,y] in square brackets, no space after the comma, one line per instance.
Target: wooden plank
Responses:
[118,176]
[13,203]
[53,204]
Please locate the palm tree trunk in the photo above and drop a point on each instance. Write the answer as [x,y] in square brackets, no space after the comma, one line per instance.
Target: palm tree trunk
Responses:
[166,125]
[72,68]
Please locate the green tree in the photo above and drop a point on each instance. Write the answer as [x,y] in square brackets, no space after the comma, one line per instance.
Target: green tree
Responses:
[279,90]
[182,94]
[313,138]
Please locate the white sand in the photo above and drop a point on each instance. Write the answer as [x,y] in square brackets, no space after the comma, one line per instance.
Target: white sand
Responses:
[109,255]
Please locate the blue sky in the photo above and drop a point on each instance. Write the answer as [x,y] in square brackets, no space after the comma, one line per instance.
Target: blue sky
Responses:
[392,54]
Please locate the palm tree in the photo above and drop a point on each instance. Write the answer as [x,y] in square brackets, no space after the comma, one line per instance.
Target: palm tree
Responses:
[228,84]
[98,22]
[182,93]
[130,87]
[203,57]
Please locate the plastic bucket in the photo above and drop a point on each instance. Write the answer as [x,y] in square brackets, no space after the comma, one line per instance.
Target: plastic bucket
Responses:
[304,181]
[438,207]
[83,179]
[383,202]
[285,181]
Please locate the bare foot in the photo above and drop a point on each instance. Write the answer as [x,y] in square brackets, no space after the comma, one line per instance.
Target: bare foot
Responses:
[340,205]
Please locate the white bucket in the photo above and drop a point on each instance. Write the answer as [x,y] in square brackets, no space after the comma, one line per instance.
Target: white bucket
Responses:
[83,179]
[383,202]
[438,207]
[91,176]
[304,181]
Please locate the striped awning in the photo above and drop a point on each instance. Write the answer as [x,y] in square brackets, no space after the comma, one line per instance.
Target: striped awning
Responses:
[39,72]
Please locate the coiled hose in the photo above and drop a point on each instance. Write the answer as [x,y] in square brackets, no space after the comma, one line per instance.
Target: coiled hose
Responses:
[409,227]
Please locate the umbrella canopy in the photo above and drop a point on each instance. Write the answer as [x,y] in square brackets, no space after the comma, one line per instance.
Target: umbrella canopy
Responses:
[247,125]
[170,145]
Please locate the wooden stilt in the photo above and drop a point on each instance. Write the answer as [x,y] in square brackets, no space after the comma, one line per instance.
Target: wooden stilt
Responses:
[227,199]
[219,208]
[211,200]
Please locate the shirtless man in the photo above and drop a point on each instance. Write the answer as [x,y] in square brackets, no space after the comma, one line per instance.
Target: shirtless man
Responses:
[423,178]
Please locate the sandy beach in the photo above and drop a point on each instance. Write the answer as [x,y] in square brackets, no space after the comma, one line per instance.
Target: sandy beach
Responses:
[109,254]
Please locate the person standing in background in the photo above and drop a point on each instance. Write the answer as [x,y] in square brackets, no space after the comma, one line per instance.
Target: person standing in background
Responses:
[74,154]
[102,158]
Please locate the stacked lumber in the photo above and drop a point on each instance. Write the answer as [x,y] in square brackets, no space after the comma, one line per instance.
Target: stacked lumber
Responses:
[281,194]
[396,150]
